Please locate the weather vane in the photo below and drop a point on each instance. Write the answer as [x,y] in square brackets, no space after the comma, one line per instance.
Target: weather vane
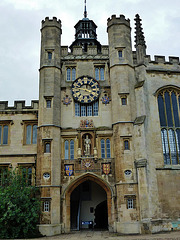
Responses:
[85,12]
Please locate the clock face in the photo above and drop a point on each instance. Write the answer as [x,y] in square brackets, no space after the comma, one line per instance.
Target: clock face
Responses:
[85,89]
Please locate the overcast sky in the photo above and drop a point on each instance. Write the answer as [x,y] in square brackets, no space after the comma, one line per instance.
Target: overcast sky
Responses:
[20,23]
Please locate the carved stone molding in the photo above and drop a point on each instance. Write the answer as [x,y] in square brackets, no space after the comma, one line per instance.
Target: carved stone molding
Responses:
[140,163]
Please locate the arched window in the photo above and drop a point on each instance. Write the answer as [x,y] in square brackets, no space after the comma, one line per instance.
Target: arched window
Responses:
[97,73]
[102,73]
[73,74]
[108,148]
[5,135]
[47,147]
[105,148]
[31,134]
[71,149]
[102,148]
[169,105]
[66,152]
[68,74]
[28,134]
[34,140]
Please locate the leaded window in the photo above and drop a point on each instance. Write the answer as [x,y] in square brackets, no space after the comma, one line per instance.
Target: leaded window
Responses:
[169,105]
[46,207]
[105,148]
[69,149]
[102,148]
[99,73]
[130,203]
[31,133]
[108,148]
[70,74]
[83,110]
[66,153]
[4,134]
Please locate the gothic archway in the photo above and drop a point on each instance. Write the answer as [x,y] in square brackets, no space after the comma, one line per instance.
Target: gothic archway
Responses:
[74,185]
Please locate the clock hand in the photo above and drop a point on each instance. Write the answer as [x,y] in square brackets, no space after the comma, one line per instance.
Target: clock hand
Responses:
[87,90]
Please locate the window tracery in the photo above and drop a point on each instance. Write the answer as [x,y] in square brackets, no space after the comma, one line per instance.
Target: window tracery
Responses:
[169,105]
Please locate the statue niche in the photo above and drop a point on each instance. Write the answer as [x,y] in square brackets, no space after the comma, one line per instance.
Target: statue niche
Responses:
[87,144]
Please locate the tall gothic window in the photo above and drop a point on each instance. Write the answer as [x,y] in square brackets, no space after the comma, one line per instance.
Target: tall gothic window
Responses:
[169,112]
[69,149]
[105,148]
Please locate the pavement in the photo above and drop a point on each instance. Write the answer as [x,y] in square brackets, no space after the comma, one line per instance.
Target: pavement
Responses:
[96,235]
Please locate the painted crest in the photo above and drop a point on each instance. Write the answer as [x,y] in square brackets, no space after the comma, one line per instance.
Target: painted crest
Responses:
[105,100]
[66,100]
[87,164]
[86,123]
[106,168]
[69,170]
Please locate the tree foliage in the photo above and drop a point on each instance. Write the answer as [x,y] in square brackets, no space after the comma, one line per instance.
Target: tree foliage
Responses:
[19,207]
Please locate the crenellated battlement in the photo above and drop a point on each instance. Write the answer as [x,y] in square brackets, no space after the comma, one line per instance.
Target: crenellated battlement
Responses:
[51,22]
[159,60]
[118,20]
[161,65]
[91,51]
[19,106]
[162,59]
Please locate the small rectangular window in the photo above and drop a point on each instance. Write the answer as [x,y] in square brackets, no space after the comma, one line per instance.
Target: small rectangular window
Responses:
[49,55]
[124,101]
[120,53]
[126,145]
[46,206]
[47,147]
[48,103]
[130,203]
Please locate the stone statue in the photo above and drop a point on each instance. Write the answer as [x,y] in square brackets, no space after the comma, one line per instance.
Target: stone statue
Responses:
[87,143]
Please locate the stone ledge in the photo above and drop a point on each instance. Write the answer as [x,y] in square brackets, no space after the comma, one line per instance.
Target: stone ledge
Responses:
[50,229]
[128,227]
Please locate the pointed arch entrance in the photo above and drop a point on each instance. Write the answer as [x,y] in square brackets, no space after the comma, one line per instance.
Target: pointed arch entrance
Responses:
[96,181]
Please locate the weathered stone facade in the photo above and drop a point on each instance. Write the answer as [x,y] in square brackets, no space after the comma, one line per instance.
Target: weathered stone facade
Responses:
[129,169]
